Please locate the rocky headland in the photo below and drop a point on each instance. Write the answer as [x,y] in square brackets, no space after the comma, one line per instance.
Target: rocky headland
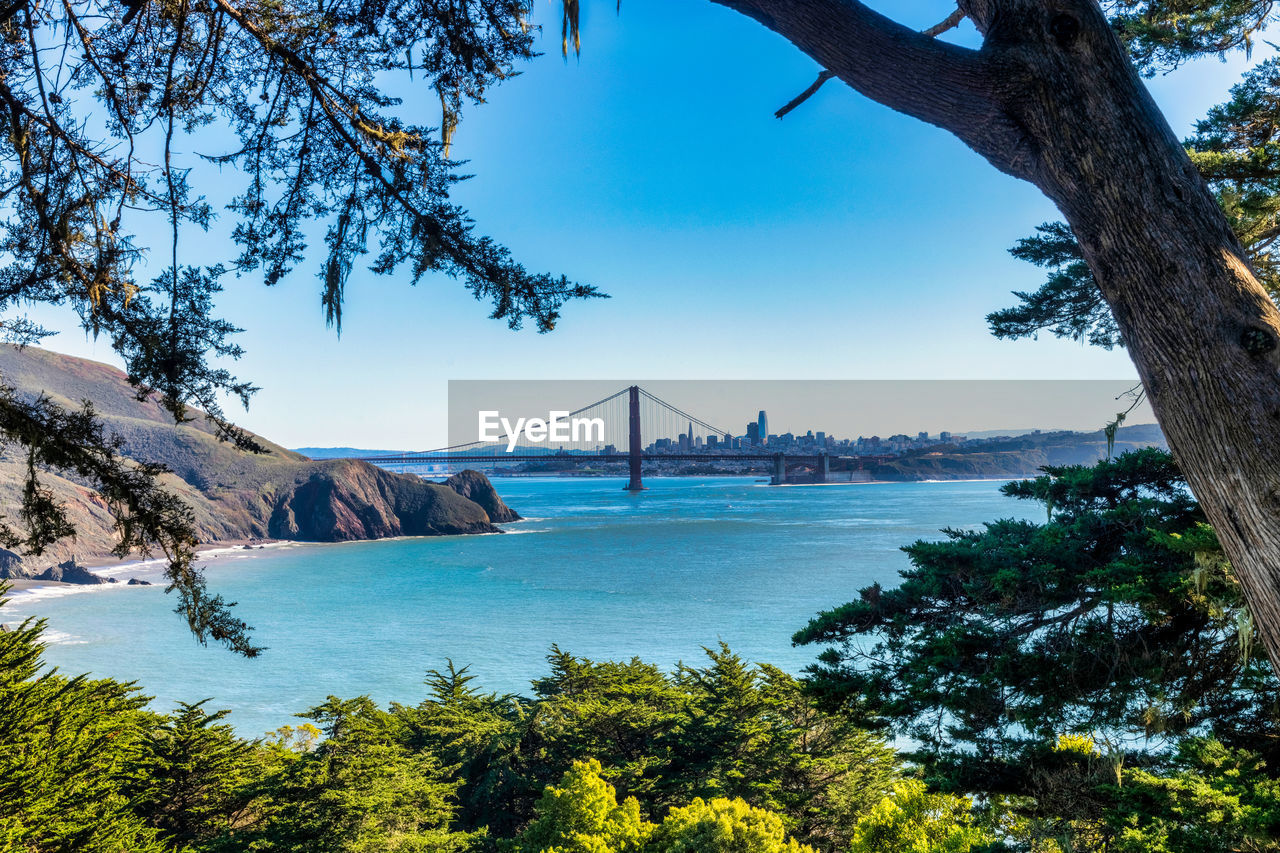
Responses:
[234,496]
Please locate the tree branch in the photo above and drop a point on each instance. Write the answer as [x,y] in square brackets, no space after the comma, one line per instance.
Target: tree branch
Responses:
[799,99]
[7,13]
[948,23]
[943,84]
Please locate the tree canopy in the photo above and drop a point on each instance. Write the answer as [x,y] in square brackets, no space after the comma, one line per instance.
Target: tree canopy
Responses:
[84,766]
[1052,668]
[1087,683]
[1236,148]
[110,111]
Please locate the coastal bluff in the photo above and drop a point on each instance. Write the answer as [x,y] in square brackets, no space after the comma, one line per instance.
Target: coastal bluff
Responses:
[234,496]
[476,487]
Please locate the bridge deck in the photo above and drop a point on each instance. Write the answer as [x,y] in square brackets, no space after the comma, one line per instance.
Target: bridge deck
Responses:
[587,457]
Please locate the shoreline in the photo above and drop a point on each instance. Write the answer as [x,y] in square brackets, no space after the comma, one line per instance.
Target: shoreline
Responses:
[152,569]
[761,479]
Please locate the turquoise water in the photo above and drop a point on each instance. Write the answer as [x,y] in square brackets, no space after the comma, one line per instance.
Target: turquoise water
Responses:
[601,572]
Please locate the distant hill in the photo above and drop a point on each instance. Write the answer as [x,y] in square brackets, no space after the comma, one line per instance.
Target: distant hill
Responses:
[344,452]
[234,495]
[1015,456]
[1013,433]
[1147,429]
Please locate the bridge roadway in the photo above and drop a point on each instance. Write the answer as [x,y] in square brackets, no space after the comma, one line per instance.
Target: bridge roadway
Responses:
[409,459]
[780,461]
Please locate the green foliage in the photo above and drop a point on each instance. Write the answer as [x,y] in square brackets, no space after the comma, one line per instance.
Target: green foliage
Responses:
[754,733]
[722,826]
[64,744]
[583,815]
[479,741]
[1210,799]
[1089,677]
[912,820]
[1069,303]
[360,789]
[626,714]
[1000,639]
[740,759]
[724,730]
[1236,148]
[105,106]
[192,776]
[84,767]
[1161,35]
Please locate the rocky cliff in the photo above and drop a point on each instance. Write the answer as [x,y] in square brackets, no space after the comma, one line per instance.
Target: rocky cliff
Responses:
[234,495]
[476,487]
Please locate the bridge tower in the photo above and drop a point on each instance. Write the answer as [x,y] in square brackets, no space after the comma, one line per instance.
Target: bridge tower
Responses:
[779,470]
[635,449]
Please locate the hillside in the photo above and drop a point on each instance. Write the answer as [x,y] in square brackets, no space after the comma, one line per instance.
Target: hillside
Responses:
[1014,457]
[343,452]
[234,495]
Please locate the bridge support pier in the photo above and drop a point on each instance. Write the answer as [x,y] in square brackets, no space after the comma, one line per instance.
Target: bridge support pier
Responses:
[634,449]
[822,471]
[779,470]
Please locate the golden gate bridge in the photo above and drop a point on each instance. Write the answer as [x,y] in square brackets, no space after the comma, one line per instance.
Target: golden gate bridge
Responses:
[625,419]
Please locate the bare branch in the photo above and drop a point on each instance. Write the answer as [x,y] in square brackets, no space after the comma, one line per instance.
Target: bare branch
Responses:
[7,13]
[948,23]
[799,99]
[943,84]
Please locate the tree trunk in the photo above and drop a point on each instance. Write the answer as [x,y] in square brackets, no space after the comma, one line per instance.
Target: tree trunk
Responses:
[1053,98]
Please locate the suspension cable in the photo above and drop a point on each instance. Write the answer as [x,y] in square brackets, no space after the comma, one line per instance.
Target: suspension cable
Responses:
[682,413]
[507,436]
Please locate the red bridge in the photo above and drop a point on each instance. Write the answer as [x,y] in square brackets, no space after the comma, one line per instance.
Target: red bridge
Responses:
[494,452]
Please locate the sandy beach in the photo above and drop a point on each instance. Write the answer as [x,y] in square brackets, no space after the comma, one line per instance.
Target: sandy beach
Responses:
[150,570]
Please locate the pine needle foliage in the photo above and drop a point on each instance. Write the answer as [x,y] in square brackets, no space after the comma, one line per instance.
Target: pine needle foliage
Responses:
[1236,148]
[1117,620]
[64,744]
[115,112]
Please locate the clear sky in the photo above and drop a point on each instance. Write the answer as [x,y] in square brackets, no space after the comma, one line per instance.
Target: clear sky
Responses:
[844,242]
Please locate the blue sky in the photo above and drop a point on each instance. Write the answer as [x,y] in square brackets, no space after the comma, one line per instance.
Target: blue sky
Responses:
[844,242]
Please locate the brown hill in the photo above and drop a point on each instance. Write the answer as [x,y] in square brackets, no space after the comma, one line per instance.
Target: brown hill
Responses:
[1016,457]
[234,495]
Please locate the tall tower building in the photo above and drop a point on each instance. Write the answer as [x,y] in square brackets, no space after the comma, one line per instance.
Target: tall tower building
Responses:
[763,426]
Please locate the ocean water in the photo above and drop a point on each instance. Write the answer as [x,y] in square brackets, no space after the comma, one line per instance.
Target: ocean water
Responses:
[600,572]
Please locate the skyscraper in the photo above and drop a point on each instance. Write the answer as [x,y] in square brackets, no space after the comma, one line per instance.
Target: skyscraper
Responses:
[763,426]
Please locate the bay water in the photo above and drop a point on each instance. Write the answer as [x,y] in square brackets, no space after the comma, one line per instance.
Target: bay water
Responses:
[596,570]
